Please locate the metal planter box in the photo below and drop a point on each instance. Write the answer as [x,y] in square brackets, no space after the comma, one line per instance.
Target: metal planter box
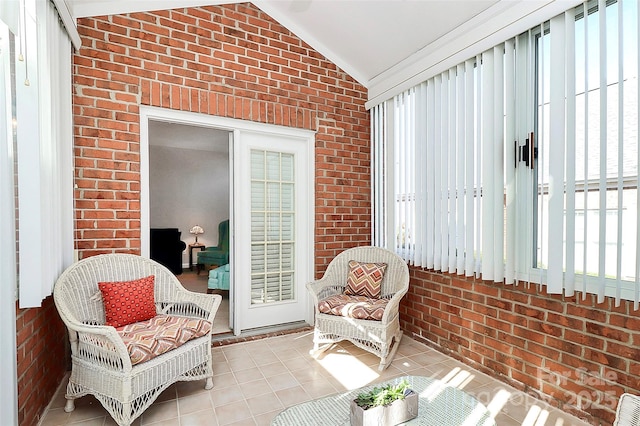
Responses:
[399,411]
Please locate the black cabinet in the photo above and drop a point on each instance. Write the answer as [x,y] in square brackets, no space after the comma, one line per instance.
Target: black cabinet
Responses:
[167,248]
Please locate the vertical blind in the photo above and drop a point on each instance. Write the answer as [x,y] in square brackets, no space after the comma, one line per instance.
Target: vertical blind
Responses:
[44,130]
[588,174]
[521,164]
[446,154]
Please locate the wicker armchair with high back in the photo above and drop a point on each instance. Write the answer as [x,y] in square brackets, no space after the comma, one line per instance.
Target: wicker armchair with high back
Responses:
[134,331]
[358,298]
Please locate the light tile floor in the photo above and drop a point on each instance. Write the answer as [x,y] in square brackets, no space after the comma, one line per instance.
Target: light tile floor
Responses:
[255,380]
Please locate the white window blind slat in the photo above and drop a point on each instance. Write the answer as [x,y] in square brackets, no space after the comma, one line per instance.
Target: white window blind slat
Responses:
[461,167]
[30,175]
[602,184]
[443,192]
[570,112]
[510,160]
[400,135]
[469,168]
[488,165]
[541,138]
[410,172]
[556,157]
[431,170]
[399,188]
[437,246]
[420,170]
[478,178]
[452,214]
[585,178]
[522,247]
[497,183]
[529,135]
[620,63]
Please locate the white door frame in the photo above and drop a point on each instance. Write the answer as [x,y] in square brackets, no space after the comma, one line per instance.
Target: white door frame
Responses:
[148,113]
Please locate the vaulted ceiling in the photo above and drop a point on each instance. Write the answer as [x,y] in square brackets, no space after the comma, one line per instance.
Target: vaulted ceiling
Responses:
[383,44]
[363,37]
[386,45]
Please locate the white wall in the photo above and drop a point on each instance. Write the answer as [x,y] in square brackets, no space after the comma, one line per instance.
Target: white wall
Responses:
[188,187]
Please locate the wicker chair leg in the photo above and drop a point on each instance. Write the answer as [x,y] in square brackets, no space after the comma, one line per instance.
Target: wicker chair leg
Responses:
[70,405]
[126,415]
[209,383]
[317,347]
[386,360]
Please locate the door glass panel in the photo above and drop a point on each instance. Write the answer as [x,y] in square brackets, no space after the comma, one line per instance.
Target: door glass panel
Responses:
[273,223]
[287,227]
[287,168]
[257,227]
[286,259]
[257,164]
[272,227]
[273,196]
[287,196]
[257,259]
[273,165]
[257,197]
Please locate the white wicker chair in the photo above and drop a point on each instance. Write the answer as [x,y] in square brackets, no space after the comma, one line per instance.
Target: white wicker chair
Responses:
[628,411]
[101,365]
[378,337]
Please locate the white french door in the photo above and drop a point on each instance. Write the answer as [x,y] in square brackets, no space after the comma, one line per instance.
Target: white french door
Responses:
[273,212]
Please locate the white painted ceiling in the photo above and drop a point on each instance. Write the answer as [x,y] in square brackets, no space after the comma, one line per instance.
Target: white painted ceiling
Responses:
[368,37]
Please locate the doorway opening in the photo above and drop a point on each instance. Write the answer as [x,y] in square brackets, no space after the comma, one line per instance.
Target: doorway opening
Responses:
[189,191]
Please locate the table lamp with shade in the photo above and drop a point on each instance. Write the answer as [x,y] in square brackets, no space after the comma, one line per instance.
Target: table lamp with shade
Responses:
[196,230]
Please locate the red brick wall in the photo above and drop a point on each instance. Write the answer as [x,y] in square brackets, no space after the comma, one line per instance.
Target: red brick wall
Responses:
[234,61]
[41,349]
[230,61]
[560,349]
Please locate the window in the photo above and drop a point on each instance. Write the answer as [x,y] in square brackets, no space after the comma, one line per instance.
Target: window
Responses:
[521,164]
[439,155]
[272,227]
[587,122]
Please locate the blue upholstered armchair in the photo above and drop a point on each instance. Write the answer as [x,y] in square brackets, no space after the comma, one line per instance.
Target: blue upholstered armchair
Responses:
[218,255]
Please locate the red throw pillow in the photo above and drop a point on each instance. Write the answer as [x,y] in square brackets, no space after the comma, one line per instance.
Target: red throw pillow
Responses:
[364,279]
[126,302]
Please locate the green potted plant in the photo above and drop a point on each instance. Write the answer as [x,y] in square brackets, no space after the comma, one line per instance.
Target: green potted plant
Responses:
[387,405]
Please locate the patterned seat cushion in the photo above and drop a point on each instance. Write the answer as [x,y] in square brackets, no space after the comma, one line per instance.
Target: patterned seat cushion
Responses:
[359,307]
[148,339]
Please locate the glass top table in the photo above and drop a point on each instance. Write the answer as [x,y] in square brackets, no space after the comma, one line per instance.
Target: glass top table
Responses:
[439,404]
